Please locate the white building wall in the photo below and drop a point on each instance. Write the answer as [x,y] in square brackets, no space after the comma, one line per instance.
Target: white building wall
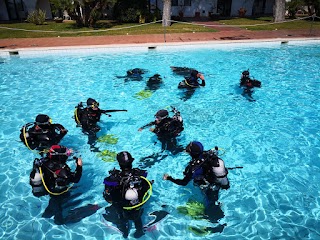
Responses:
[201,6]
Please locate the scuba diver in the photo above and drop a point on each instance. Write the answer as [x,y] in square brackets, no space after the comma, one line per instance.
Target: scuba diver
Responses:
[182,71]
[134,74]
[167,129]
[42,134]
[51,175]
[127,190]
[207,171]
[248,84]
[154,83]
[191,83]
[88,117]
[192,80]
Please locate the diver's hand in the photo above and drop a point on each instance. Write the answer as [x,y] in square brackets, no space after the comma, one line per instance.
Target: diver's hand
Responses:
[151,129]
[165,176]
[201,77]
[140,129]
[79,162]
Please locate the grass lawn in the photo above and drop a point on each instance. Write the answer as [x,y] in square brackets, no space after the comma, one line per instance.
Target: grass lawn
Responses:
[105,28]
[265,23]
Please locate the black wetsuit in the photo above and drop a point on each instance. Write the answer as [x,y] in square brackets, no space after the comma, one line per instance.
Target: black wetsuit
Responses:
[200,171]
[116,186]
[89,118]
[154,83]
[57,177]
[42,136]
[192,82]
[167,131]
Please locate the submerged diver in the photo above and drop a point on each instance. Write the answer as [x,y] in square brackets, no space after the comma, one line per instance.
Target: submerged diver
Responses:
[154,83]
[134,74]
[127,191]
[189,84]
[167,129]
[51,175]
[88,117]
[248,84]
[182,71]
[42,134]
[207,171]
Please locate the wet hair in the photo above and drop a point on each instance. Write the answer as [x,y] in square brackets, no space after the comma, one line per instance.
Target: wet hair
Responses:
[125,159]
[42,119]
[194,148]
[91,102]
[162,114]
[194,73]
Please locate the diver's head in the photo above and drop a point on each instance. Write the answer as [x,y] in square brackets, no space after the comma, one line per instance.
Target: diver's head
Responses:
[125,160]
[92,103]
[195,149]
[194,73]
[59,153]
[245,73]
[161,114]
[43,119]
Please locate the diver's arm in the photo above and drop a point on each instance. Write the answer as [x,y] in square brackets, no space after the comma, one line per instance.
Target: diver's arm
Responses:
[147,125]
[183,182]
[203,82]
[78,172]
[61,128]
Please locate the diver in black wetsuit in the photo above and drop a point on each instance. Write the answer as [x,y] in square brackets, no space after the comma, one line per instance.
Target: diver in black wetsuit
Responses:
[191,83]
[154,83]
[42,134]
[126,190]
[207,171]
[134,74]
[88,118]
[166,128]
[248,84]
[182,71]
[51,175]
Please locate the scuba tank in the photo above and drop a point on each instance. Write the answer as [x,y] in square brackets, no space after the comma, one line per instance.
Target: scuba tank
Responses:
[38,189]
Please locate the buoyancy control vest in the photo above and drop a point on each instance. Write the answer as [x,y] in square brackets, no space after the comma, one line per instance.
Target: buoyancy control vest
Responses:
[125,187]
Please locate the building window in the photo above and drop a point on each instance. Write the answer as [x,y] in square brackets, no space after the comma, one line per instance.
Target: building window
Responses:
[187,2]
[174,3]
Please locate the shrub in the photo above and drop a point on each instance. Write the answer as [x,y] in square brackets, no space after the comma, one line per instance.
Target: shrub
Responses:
[37,17]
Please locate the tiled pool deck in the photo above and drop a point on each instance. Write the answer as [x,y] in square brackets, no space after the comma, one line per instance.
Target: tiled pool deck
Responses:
[224,34]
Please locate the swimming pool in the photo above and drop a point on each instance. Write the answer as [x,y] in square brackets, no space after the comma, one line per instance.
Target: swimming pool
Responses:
[275,138]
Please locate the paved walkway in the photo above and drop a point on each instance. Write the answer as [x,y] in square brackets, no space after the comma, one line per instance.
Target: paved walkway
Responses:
[224,33]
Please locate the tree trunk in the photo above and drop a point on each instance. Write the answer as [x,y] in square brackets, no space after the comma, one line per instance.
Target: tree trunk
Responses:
[166,15]
[279,10]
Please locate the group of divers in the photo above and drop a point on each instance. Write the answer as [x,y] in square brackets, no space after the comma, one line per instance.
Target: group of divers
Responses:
[126,189]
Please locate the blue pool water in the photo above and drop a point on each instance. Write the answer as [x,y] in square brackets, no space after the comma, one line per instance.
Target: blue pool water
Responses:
[275,138]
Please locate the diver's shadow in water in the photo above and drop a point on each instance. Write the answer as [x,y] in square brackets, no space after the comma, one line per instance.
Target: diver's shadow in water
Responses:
[187,93]
[168,146]
[58,204]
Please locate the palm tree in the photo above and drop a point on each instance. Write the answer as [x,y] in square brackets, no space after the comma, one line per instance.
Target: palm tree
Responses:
[279,10]
[166,13]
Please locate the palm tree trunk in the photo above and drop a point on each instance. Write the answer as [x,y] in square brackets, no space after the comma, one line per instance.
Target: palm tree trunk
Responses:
[279,10]
[166,13]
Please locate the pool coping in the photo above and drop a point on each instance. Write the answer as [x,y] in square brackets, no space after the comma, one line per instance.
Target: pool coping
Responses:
[145,46]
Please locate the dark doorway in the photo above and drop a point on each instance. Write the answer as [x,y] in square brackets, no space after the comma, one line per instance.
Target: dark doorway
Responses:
[259,7]
[224,8]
